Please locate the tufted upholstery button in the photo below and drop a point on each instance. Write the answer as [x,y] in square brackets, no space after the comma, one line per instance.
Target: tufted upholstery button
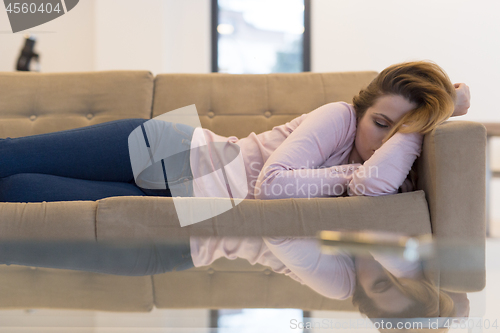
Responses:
[267,114]
[267,271]
[90,116]
[210,271]
[210,114]
[32,117]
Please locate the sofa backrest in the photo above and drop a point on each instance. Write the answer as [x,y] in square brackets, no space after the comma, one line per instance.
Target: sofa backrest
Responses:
[36,103]
[260,101]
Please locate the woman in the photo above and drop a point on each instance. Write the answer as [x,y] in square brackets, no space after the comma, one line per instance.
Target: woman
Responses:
[330,151]
[402,103]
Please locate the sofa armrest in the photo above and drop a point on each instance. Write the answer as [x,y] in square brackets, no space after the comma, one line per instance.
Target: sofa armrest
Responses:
[451,172]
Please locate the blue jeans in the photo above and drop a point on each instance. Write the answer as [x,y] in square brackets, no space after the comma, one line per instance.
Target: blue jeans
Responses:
[88,163]
[109,258]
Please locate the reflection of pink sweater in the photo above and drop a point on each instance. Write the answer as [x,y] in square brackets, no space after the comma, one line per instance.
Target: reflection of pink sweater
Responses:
[306,157]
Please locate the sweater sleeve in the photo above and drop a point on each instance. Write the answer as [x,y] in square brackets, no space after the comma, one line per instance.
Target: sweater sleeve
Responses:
[332,276]
[397,266]
[386,170]
[292,170]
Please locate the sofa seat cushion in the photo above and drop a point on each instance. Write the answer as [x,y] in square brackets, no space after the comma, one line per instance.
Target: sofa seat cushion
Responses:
[149,217]
[215,287]
[33,287]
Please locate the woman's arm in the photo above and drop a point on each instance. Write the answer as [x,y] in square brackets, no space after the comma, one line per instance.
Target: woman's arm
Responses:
[292,169]
[462,103]
[332,276]
[386,170]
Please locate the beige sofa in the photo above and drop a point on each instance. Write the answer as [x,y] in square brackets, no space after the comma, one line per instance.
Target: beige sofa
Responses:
[449,202]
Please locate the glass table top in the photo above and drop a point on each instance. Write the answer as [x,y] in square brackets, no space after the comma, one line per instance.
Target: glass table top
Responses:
[334,280]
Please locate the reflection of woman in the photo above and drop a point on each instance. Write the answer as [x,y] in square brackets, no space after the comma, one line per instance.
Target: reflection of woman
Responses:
[390,291]
[337,144]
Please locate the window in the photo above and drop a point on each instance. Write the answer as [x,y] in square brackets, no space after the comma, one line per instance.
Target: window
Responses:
[258,320]
[260,36]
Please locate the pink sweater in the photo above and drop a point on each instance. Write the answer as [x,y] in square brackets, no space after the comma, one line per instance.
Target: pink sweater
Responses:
[306,157]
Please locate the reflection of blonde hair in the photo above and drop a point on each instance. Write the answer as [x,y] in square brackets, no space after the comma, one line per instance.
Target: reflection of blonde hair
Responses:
[421,82]
[429,300]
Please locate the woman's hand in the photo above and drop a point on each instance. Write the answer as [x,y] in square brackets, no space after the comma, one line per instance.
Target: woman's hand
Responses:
[462,103]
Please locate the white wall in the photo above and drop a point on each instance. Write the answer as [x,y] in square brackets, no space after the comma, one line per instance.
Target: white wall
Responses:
[156,35]
[187,45]
[128,35]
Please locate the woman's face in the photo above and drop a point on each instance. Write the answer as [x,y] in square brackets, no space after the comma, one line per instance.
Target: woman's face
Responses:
[377,122]
[378,287]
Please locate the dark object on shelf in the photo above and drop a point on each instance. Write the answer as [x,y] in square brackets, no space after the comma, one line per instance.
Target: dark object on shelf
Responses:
[27,54]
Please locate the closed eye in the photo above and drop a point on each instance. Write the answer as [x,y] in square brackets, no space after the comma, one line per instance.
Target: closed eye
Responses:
[381,285]
[379,124]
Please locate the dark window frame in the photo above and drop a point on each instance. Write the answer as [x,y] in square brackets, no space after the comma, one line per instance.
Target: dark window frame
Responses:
[306,51]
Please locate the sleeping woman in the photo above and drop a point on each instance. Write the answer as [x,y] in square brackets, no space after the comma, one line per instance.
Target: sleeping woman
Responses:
[339,149]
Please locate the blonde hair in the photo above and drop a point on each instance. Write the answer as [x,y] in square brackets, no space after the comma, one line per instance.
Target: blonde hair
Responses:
[421,82]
